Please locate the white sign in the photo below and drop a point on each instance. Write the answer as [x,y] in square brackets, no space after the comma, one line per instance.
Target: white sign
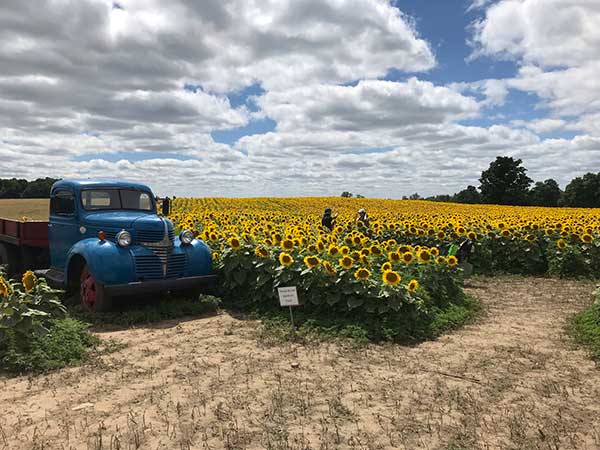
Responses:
[288,296]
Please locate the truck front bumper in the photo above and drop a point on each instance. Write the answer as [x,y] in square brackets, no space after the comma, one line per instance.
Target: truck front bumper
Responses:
[165,284]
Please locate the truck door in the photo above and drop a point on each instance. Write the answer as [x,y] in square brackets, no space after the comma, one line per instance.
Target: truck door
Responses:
[63,226]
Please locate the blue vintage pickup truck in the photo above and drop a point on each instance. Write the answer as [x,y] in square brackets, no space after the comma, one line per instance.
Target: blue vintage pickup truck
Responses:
[105,239]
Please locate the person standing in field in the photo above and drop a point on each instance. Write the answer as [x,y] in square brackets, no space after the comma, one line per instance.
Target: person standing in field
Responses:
[362,216]
[166,206]
[328,220]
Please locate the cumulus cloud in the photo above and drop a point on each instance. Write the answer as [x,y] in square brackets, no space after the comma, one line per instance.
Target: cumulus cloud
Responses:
[84,83]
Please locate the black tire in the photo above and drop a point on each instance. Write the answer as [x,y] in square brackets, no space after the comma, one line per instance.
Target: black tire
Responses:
[92,295]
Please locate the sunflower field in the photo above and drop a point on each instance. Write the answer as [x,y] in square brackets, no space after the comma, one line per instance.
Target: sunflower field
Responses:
[397,264]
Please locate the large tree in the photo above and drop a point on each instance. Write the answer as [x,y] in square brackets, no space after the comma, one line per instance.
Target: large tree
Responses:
[583,192]
[545,193]
[469,195]
[505,182]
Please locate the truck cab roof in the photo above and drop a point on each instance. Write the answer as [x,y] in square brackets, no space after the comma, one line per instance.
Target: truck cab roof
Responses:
[78,185]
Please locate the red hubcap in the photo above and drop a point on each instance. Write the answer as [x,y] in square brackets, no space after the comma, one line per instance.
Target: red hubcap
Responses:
[88,289]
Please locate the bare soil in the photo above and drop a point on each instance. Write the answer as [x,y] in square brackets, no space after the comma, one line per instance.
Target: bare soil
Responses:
[510,381]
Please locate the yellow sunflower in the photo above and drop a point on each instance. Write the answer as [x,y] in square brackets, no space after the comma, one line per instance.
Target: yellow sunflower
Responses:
[287,244]
[413,285]
[424,256]
[386,266]
[391,278]
[362,274]
[333,250]
[408,257]
[286,259]
[234,243]
[328,268]
[4,289]
[261,252]
[394,256]
[311,261]
[561,244]
[344,250]
[29,281]
[346,262]
[587,238]
[452,261]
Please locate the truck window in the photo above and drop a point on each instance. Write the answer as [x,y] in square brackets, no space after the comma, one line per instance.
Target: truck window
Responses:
[97,199]
[62,203]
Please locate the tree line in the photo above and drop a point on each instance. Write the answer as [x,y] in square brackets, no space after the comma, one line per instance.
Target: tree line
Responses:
[505,182]
[20,188]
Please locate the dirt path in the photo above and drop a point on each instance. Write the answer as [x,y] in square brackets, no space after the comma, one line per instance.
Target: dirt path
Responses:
[512,381]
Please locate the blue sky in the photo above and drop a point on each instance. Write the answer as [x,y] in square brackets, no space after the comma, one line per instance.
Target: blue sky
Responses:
[232,98]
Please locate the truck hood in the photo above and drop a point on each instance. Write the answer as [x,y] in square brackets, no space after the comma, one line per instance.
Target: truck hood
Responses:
[127,220]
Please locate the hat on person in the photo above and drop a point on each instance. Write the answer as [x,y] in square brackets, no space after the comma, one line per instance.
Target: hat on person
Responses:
[361,210]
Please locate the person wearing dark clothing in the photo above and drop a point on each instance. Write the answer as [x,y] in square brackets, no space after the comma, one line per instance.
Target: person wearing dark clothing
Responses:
[328,219]
[166,206]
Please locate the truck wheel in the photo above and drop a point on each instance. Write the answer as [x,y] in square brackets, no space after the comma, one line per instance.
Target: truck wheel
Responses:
[92,294]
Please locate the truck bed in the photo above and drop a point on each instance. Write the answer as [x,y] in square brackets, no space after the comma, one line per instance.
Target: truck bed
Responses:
[28,233]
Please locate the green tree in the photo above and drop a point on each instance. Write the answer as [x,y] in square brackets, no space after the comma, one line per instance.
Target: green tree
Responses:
[505,182]
[346,194]
[582,192]
[12,188]
[39,188]
[546,193]
[469,195]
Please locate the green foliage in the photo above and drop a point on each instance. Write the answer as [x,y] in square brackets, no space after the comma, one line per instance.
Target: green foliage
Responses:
[585,328]
[583,192]
[545,193]
[407,328]
[505,182]
[27,314]
[20,188]
[66,342]
[568,262]
[382,311]
[35,333]
[150,312]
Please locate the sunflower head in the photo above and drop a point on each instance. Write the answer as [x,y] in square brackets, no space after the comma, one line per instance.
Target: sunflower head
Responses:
[452,260]
[587,238]
[561,244]
[333,250]
[287,244]
[424,256]
[345,250]
[261,252]
[391,278]
[346,262]
[413,285]
[407,257]
[286,259]
[434,251]
[4,288]
[440,260]
[362,274]
[441,235]
[234,243]
[394,256]
[311,261]
[472,235]
[386,266]
[29,281]
[375,250]
[329,269]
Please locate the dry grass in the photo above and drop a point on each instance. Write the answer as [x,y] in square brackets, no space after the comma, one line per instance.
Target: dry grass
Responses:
[32,208]
[509,382]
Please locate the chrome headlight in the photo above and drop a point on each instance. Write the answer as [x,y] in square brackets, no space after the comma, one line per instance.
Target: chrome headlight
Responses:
[123,238]
[186,237]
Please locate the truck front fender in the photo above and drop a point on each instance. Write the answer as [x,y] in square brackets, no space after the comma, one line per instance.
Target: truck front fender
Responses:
[109,263]
[199,258]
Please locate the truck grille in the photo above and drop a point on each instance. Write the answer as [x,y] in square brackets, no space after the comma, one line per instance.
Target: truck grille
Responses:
[154,236]
[161,264]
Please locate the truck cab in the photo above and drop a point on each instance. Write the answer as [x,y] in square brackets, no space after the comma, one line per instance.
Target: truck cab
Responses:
[107,240]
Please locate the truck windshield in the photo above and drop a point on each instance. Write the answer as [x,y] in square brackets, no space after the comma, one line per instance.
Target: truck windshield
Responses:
[94,199]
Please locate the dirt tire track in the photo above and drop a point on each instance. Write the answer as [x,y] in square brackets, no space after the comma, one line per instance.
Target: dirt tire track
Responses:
[510,381]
